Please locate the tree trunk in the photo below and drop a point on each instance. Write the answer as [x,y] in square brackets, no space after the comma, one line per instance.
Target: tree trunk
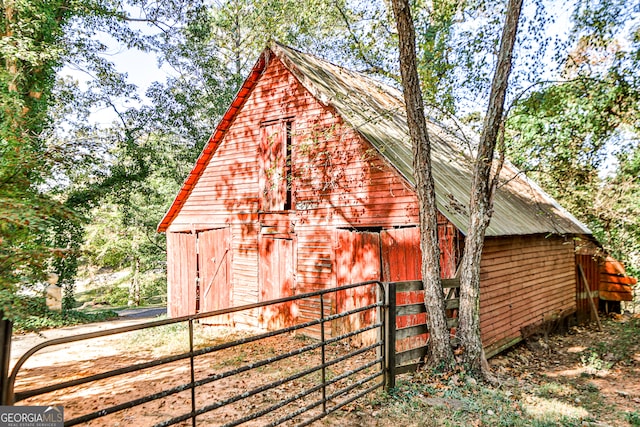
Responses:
[481,203]
[440,354]
[134,289]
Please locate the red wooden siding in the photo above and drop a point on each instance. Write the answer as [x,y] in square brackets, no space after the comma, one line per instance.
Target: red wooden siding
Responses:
[524,280]
[214,271]
[337,181]
[307,230]
[181,274]
[357,260]
[276,281]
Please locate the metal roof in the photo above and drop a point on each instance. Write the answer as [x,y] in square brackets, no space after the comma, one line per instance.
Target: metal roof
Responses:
[376,110]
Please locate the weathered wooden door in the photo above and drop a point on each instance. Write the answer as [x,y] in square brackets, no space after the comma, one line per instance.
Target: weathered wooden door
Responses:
[214,271]
[276,281]
[357,260]
[449,247]
[181,274]
[401,255]
[401,261]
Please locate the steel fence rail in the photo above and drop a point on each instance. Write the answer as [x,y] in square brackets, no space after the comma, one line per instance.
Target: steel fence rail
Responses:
[380,346]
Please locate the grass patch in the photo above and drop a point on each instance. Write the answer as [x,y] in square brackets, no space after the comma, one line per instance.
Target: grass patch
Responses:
[427,399]
[31,314]
[633,418]
[174,338]
[113,289]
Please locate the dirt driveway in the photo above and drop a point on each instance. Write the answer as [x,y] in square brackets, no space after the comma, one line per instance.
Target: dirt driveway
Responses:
[21,343]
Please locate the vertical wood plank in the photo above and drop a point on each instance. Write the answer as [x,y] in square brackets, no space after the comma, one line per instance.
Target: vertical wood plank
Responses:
[181,274]
[215,265]
[276,281]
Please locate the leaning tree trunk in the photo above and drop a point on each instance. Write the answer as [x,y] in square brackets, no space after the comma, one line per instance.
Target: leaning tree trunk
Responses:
[481,203]
[440,354]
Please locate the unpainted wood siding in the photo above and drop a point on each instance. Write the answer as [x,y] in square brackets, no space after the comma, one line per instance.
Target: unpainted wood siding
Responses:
[524,280]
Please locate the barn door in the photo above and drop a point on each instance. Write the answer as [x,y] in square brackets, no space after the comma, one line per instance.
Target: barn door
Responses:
[401,261]
[357,260]
[401,255]
[214,272]
[276,281]
[274,183]
[181,274]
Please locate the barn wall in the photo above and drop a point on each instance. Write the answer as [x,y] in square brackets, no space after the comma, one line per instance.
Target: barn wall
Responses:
[337,181]
[523,280]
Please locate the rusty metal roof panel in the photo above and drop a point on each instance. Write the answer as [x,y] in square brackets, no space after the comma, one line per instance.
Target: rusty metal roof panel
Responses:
[376,111]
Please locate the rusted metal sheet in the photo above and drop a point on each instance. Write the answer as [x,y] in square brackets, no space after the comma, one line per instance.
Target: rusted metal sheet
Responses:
[214,264]
[181,274]
[276,281]
[590,266]
[615,285]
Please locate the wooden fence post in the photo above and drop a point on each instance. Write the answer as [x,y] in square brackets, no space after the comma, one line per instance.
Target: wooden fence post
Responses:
[390,336]
[6,328]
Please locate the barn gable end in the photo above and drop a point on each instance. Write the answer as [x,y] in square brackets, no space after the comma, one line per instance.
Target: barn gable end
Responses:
[337,181]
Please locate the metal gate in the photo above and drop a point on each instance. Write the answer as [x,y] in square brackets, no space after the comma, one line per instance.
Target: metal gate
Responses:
[310,380]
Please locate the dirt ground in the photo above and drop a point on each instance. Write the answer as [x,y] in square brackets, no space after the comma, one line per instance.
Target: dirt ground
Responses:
[596,371]
[602,365]
[84,359]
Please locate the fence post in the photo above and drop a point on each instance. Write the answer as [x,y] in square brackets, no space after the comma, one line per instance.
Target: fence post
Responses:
[6,328]
[390,336]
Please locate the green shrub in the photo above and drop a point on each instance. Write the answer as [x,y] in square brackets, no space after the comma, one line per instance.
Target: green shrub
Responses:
[32,314]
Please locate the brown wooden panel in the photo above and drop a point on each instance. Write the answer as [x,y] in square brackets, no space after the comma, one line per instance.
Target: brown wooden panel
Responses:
[181,274]
[214,263]
[523,279]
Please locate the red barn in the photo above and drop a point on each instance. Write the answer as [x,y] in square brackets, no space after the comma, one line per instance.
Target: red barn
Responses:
[307,183]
